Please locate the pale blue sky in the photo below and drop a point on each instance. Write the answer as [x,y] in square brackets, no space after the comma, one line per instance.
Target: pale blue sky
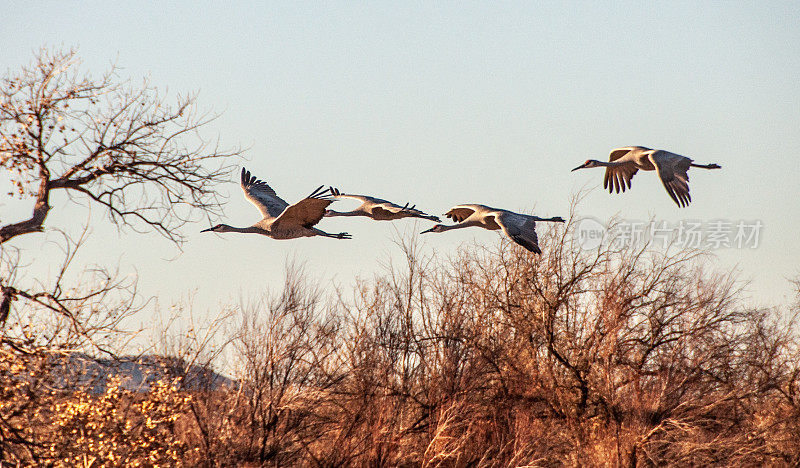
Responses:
[441,103]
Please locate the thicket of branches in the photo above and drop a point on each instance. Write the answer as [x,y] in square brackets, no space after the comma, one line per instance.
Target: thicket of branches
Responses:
[496,357]
[103,142]
[487,357]
[493,357]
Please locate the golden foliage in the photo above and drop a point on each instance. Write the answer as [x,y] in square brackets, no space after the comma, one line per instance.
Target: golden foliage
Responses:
[119,427]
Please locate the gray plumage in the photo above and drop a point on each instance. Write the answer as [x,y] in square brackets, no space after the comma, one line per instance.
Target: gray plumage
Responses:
[518,227]
[671,168]
[378,209]
[280,219]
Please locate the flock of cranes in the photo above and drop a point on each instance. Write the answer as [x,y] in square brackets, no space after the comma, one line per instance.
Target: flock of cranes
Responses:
[284,221]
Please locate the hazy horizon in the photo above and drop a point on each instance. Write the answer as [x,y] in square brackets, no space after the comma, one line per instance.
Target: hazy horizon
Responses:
[442,104]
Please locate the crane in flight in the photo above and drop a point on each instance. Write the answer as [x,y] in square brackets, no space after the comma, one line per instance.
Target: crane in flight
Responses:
[282,220]
[518,227]
[378,209]
[671,168]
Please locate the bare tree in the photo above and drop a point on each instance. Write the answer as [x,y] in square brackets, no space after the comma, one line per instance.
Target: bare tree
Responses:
[99,142]
[117,145]
[104,141]
[76,310]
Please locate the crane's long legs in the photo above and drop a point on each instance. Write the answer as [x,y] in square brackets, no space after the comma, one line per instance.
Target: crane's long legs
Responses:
[706,166]
[555,219]
[341,235]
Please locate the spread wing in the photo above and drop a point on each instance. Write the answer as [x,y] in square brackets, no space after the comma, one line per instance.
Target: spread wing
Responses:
[393,208]
[620,152]
[619,178]
[379,208]
[373,203]
[262,196]
[307,212]
[521,230]
[384,210]
[460,213]
[363,199]
[672,170]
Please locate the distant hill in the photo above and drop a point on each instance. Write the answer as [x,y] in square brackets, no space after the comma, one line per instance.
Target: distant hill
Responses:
[137,373]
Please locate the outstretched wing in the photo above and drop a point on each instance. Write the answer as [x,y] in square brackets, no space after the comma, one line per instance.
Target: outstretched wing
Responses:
[617,153]
[619,178]
[460,213]
[385,210]
[389,208]
[362,198]
[672,169]
[521,229]
[307,212]
[380,209]
[367,201]
[262,196]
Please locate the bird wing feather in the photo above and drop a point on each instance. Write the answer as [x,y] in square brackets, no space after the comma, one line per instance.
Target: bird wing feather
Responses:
[306,213]
[460,213]
[262,196]
[379,208]
[389,210]
[619,178]
[385,209]
[620,152]
[361,198]
[523,233]
[368,204]
[617,153]
[672,170]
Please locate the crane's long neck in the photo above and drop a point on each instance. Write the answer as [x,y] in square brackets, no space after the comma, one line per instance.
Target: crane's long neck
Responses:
[245,230]
[465,224]
[332,213]
[614,163]
[445,227]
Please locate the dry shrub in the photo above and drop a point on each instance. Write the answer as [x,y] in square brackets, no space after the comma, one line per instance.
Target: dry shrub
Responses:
[496,357]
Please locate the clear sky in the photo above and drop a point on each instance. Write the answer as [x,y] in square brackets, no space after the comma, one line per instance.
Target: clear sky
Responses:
[441,103]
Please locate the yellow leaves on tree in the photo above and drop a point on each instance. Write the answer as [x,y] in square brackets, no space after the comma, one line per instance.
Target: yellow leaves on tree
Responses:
[119,427]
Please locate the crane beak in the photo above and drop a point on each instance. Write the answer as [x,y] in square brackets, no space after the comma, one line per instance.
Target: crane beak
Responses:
[427,230]
[579,167]
[206,230]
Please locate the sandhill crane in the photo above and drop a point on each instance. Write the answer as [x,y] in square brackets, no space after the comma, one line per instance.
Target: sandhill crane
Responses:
[281,220]
[519,227]
[671,168]
[377,209]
